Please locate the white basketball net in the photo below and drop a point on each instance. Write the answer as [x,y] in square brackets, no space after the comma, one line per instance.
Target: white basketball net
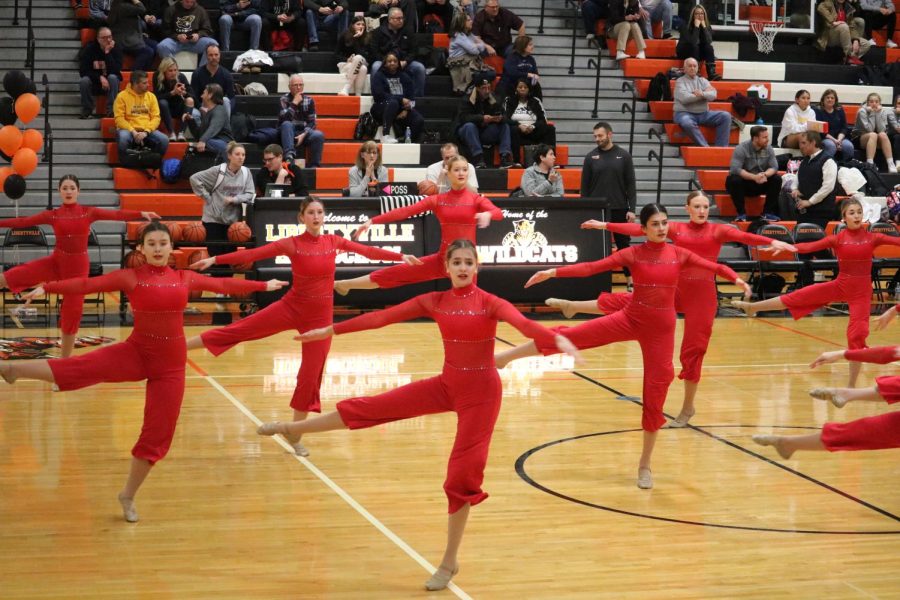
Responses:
[765,34]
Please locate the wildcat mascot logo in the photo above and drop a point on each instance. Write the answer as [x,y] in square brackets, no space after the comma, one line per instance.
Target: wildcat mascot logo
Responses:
[524,235]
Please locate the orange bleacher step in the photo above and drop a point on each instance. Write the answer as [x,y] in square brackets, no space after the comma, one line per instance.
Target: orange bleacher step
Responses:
[649,67]
[752,204]
[723,88]
[677,135]
[167,205]
[134,180]
[664,110]
[712,180]
[654,49]
[698,156]
[571,178]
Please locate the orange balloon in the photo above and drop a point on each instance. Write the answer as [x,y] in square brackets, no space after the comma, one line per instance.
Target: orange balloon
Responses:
[32,138]
[4,173]
[10,139]
[27,107]
[25,162]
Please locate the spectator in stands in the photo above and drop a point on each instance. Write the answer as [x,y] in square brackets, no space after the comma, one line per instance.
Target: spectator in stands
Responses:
[99,11]
[393,37]
[527,119]
[434,15]
[283,16]
[608,172]
[873,125]
[187,29]
[379,8]
[625,22]
[878,14]
[831,112]
[437,172]
[353,57]
[175,96]
[137,116]
[393,107]
[493,25]
[795,120]
[241,14]
[839,27]
[297,124]
[332,15]
[543,178]
[126,19]
[591,12]
[213,72]
[153,20]
[696,42]
[657,11]
[101,71]
[466,50]
[479,121]
[210,125]
[692,97]
[367,172]
[895,137]
[520,64]
[799,13]
[811,195]
[754,172]
[277,170]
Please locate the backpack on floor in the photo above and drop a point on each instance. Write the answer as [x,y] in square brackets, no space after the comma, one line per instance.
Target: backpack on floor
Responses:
[141,157]
[659,88]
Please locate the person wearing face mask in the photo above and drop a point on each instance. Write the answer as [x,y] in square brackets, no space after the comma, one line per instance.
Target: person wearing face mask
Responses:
[309,302]
[155,350]
[648,318]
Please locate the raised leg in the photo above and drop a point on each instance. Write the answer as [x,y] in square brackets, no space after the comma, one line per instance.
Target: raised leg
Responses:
[751,308]
[786,445]
[526,349]
[326,422]
[26,369]
[841,396]
[570,308]
[364,282]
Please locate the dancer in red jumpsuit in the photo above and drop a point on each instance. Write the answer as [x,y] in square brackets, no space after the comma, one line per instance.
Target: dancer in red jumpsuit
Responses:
[853,248]
[468,384]
[154,351]
[71,224]
[870,433]
[459,211]
[696,296]
[309,303]
[649,318]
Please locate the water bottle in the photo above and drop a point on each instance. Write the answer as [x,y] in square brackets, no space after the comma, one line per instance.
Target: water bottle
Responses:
[760,121]
[407,137]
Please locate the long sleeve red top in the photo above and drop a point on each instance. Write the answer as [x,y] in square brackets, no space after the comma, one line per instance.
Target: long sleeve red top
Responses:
[881,355]
[853,249]
[467,318]
[455,210]
[312,260]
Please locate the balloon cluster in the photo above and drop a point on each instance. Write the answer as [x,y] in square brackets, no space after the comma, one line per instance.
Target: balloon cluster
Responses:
[19,148]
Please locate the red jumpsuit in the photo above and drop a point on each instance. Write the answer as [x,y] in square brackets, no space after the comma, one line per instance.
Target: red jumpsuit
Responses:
[72,225]
[696,296]
[307,305]
[649,318]
[155,350]
[468,384]
[853,285]
[455,210]
[871,433]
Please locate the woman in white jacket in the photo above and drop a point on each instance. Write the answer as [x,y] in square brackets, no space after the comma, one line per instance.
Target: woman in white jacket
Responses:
[795,120]
[874,126]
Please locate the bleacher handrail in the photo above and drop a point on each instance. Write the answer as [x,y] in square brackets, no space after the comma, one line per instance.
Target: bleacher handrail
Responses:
[15,20]
[574,4]
[628,86]
[596,64]
[29,42]
[653,154]
[48,140]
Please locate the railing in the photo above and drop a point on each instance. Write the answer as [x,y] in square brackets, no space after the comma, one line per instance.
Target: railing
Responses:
[48,141]
[628,86]
[596,62]
[15,20]
[653,154]
[574,4]
[29,43]
[540,27]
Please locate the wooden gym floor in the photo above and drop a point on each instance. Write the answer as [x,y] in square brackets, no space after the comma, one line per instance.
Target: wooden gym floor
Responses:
[230,514]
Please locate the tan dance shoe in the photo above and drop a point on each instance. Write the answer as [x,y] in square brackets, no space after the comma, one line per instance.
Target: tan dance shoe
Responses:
[440,579]
[828,395]
[645,479]
[775,442]
[129,511]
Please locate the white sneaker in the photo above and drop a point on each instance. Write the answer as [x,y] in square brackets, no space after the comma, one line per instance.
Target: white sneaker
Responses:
[891,44]
[388,139]
[345,91]
[180,136]
[873,42]
[171,137]
[898,164]
[621,55]
[892,167]
[641,54]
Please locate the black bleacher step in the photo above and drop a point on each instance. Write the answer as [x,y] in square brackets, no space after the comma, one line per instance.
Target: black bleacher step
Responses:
[488,179]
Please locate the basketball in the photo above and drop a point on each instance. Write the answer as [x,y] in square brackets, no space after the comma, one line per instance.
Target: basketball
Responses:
[174,230]
[134,259]
[193,232]
[239,232]
[427,188]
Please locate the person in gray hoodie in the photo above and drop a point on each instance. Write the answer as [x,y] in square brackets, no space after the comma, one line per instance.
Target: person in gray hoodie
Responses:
[874,125]
[692,97]
[210,125]
[543,178]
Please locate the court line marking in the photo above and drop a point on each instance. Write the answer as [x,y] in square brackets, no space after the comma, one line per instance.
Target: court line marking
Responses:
[393,537]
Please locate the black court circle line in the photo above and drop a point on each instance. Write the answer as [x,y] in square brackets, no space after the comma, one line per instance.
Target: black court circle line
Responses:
[741,448]
[520,470]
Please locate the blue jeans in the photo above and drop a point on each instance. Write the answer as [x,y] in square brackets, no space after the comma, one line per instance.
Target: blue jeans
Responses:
[475,137]
[156,140]
[414,69]
[315,21]
[719,119]
[169,47]
[847,150]
[314,139]
[386,113]
[143,56]
[591,12]
[662,12]
[252,23]
[86,86]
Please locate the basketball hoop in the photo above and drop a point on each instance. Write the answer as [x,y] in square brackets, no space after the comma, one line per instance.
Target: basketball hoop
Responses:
[765,34]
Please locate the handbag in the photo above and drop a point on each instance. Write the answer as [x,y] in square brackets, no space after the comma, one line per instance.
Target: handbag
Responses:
[194,162]
[141,157]
[285,62]
[282,40]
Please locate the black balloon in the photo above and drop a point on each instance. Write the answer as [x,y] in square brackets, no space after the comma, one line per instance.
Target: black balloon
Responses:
[14,186]
[7,111]
[16,83]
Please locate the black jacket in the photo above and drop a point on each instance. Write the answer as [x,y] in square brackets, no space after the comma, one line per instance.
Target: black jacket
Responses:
[472,110]
[534,105]
[297,183]
[384,40]
[94,62]
[618,10]
[125,20]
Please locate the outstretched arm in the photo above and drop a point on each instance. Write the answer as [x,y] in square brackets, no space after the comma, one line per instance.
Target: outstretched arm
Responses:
[372,252]
[543,337]
[881,355]
[228,285]
[728,273]
[104,214]
[398,214]
[726,233]
[123,279]
[42,218]
[244,256]
[886,317]
[413,308]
